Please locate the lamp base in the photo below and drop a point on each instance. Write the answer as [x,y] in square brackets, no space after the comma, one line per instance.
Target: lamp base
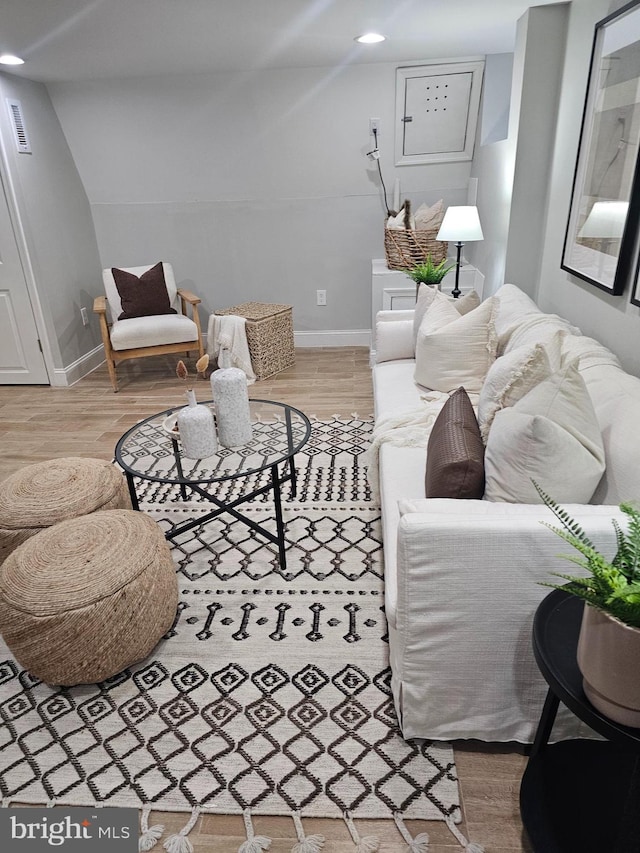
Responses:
[456,290]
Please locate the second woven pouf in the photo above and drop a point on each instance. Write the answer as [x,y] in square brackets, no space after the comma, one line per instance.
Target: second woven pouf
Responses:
[44,493]
[88,597]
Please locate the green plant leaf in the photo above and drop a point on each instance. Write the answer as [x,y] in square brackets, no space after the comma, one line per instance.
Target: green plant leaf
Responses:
[429,273]
[613,587]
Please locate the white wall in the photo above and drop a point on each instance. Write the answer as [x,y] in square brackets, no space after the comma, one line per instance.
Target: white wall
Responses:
[254,186]
[544,49]
[496,97]
[56,219]
[513,173]
[493,166]
[611,319]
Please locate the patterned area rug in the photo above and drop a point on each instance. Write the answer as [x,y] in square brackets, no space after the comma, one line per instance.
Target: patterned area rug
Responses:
[269,694]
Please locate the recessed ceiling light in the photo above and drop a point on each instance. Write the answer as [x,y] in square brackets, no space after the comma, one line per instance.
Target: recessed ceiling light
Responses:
[9,59]
[370,38]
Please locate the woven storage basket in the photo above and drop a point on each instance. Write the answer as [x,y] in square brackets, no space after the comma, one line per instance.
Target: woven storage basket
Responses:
[269,330]
[42,494]
[85,598]
[404,249]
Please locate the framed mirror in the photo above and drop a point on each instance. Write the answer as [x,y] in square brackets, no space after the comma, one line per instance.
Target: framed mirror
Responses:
[635,293]
[600,244]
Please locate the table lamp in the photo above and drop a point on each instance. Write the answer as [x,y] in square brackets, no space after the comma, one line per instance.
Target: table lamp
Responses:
[462,225]
[605,221]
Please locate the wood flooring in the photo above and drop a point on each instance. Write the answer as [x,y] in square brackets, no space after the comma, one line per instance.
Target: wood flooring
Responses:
[38,423]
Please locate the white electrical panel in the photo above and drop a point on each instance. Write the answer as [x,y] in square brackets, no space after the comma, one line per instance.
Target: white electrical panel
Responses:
[437,111]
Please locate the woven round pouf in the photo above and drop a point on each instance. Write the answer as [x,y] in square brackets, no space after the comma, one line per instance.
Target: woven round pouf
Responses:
[88,597]
[48,492]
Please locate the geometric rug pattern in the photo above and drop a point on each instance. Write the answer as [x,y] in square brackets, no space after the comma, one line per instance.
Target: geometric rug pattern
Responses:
[270,692]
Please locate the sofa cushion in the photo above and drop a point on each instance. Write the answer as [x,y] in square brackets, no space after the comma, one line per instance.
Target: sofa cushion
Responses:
[513,306]
[394,390]
[535,329]
[589,352]
[551,436]
[616,400]
[455,452]
[513,375]
[394,340]
[147,331]
[454,350]
[142,296]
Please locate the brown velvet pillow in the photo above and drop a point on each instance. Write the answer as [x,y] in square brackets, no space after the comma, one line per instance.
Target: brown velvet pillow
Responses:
[455,452]
[144,296]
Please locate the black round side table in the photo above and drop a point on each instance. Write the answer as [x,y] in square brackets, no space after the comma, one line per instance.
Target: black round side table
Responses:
[577,796]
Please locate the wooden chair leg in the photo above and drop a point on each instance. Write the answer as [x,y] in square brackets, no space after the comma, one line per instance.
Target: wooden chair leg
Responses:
[196,320]
[106,342]
[111,367]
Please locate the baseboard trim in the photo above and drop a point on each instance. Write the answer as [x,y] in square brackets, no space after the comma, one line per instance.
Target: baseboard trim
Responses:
[333,338]
[66,376]
[63,377]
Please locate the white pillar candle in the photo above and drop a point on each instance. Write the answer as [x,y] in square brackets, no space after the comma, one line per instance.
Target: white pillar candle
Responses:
[396,195]
[231,398]
[197,429]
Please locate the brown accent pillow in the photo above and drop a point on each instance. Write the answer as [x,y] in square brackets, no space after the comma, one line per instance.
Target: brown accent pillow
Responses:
[455,452]
[144,296]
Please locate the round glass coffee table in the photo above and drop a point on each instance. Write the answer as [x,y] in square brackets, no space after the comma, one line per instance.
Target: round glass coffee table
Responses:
[151,451]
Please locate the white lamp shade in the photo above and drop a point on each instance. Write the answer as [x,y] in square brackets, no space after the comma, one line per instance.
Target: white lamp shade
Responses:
[461,225]
[605,220]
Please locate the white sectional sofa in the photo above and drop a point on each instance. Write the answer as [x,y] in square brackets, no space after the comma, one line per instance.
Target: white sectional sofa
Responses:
[462,577]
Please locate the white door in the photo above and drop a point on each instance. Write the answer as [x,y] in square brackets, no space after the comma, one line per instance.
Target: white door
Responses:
[21,360]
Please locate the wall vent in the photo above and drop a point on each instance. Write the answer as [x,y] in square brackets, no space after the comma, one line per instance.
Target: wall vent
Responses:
[20,132]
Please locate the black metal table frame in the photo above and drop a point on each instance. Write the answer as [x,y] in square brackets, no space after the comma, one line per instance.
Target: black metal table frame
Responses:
[276,481]
[557,676]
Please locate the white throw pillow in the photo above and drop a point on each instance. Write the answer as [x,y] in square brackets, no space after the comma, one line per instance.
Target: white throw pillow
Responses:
[426,295]
[440,312]
[513,375]
[467,302]
[397,222]
[551,436]
[454,350]
[430,217]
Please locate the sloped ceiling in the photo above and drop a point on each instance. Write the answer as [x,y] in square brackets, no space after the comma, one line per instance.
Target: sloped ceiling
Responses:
[90,39]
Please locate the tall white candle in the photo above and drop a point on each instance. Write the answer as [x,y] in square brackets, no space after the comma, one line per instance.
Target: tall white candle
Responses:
[396,195]
[231,398]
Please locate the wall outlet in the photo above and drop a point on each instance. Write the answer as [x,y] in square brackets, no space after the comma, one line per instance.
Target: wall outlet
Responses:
[321,297]
[374,124]
[85,316]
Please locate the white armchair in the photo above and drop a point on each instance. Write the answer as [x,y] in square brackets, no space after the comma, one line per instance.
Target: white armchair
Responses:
[155,334]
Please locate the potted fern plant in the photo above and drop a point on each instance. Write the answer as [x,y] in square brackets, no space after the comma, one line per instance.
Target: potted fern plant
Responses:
[429,273]
[609,642]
